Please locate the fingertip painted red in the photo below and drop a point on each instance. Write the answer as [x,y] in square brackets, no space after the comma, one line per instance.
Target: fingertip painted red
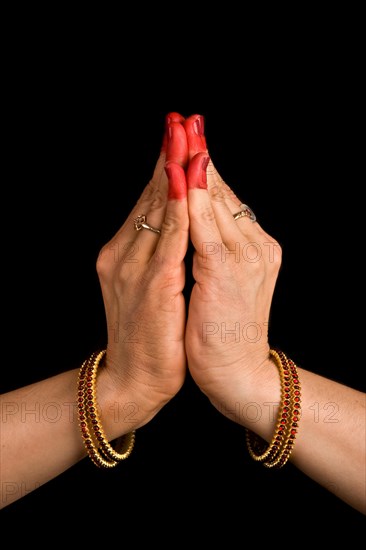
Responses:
[177,146]
[177,189]
[169,118]
[195,130]
[199,126]
[174,117]
[196,173]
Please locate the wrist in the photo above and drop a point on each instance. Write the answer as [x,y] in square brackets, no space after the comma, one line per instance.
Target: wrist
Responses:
[116,408]
[120,411]
[125,404]
[252,399]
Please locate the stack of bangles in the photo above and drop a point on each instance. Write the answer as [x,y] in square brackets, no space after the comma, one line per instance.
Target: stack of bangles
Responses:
[276,454]
[100,451]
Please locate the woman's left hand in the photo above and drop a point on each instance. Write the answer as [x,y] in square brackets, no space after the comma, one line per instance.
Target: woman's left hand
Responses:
[235,268]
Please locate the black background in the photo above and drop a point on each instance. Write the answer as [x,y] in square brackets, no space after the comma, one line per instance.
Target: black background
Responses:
[83,134]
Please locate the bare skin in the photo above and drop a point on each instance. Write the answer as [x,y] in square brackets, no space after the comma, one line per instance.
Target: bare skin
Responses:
[224,339]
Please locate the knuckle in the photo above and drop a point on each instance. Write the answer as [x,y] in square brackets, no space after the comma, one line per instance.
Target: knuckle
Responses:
[170,224]
[103,263]
[216,193]
[256,269]
[123,279]
[206,214]
[158,200]
[277,253]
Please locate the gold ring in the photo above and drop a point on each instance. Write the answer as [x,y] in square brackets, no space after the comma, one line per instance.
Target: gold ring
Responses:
[140,223]
[245,212]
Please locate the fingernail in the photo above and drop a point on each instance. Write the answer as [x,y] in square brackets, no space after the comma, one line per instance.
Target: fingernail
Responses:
[204,165]
[199,126]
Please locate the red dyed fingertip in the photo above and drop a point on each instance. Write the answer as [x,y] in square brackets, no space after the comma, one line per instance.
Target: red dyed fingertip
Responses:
[177,181]
[177,146]
[196,173]
[195,130]
[174,117]
[169,118]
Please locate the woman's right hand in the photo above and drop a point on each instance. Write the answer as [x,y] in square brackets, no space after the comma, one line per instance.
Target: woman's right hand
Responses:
[142,277]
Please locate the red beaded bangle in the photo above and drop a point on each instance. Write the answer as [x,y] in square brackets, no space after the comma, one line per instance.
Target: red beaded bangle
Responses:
[279,450]
[99,450]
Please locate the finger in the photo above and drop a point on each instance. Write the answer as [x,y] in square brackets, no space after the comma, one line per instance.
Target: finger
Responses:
[152,203]
[174,117]
[170,117]
[177,146]
[203,226]
[214,179]
[172,246]
[211,220]
[177,184]
[217,189]
[159,172]
[155,206]
[128,242]
[152,198]
[195,130]
[152,206]
[216,184]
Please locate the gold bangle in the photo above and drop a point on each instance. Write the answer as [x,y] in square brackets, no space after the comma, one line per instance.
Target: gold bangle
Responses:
[99,449]
[279,450]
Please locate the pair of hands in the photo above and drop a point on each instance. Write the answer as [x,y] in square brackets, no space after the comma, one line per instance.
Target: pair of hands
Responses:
[142,275]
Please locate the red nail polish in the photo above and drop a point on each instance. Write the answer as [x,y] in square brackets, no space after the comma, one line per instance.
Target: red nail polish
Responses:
[199,126]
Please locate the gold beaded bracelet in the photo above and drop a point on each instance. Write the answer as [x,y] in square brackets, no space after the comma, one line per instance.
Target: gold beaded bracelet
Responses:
[279,450]
[99,449]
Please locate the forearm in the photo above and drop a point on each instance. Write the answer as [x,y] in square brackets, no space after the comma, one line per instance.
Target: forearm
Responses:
[332,437]
[40,433]
[330,444]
